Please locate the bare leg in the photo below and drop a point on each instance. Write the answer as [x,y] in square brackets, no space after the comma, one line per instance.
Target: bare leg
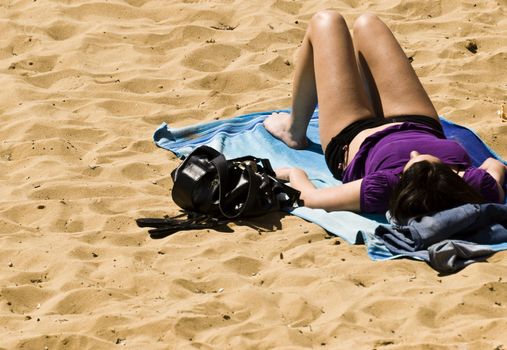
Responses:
[394,85]
[327,71]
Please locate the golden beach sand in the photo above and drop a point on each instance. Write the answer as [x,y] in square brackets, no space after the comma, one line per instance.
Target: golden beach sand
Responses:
[84,84]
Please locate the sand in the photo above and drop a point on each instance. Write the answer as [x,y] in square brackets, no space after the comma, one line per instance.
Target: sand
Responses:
[83,86]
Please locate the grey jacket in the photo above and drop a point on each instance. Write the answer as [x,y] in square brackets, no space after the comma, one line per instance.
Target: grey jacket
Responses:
[451,239]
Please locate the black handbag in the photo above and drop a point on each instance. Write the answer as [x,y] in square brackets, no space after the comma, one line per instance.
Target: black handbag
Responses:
[213,190]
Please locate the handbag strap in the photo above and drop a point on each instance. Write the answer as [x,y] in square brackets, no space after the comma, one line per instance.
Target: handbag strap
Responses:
[292,193]
[220,164]
[266,164]
[163,227]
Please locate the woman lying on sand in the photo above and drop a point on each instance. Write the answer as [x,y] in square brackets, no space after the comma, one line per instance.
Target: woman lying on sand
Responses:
[378,128]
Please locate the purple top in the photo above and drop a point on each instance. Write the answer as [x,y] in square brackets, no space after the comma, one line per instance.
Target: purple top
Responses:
[383,155]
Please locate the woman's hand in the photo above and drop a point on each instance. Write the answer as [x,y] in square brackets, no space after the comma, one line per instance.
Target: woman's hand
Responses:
[495,168]
[296,177]
[283,173]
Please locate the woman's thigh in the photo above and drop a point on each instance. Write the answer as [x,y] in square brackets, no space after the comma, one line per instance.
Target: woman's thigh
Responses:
[341,95]
[395,88]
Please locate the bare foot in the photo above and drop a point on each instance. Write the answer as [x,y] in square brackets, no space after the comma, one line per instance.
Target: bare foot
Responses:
[280,126]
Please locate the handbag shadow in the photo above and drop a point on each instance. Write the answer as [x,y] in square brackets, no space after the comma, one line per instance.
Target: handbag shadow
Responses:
[268,222]
[168,226]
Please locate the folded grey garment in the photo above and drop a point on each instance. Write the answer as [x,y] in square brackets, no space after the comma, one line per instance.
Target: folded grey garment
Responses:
[449,256]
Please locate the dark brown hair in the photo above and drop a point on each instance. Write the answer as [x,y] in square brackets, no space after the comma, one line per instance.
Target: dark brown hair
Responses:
[427,187]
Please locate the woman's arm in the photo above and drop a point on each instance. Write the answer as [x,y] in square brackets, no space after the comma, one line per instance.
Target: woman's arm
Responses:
[342,197]
[496,169]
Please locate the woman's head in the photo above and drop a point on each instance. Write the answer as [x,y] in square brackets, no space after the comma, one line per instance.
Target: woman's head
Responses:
[427,186]
[418,157]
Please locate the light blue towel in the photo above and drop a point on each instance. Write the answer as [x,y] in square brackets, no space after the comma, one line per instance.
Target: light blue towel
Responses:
[245,135]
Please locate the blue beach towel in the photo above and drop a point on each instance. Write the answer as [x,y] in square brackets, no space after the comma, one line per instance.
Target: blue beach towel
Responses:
[245,135]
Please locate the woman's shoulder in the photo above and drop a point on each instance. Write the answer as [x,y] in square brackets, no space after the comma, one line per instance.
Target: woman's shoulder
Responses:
[483,182]
[376,189]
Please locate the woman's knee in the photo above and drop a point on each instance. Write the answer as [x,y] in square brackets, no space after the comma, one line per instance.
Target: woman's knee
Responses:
[326,19]
[365,24]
